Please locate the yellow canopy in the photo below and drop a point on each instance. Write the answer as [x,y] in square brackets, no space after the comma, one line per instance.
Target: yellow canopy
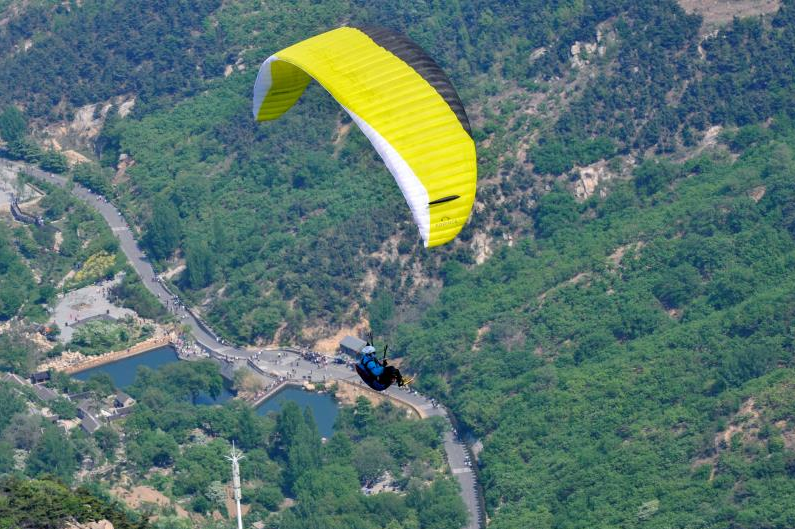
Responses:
[402,101]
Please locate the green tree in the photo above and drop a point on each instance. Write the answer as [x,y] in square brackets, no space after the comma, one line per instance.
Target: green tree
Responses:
[676,286]
[107,144]
[371,459]
[162,232]
[191,379]
[63,382]
[653,175]
[94,178]
[730,287]
[131,293]
[53,161]
[13,125]
[101,384]
[16,281]
[200,263]
[437,506]
[363,414]
[269,497]
[16,354]
[152,448]
[10,404]
[47,504]
[296,443]
[381,309]
[63,408]
[108,440]
[53,454]
[556,210]
[551,158]
[338,449]
[6,457]
[199,466]
[24,430]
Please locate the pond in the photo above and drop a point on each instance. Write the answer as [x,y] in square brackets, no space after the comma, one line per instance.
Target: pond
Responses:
[122,372]
[324,407]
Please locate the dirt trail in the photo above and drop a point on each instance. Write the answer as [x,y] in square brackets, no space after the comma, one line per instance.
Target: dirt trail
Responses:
[140,495]
[330,345]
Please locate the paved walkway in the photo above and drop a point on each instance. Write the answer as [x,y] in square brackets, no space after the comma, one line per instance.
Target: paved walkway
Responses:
[297,364]
[84,304]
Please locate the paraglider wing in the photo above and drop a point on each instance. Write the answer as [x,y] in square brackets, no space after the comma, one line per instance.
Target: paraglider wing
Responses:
[404,104]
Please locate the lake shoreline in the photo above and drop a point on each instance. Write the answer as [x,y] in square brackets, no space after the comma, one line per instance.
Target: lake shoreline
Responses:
[85,362]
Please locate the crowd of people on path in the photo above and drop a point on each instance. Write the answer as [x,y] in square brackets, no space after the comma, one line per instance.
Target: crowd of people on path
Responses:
[188,348]
[173,304]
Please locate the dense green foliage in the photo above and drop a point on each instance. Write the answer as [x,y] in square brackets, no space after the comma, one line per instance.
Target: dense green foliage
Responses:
[13,130]
[30,266]
[53,455]
[284,231]
[613,352]
[100,336]
[48,504]
[94,178]
[326,480]
[285,457]
[105,48]
[264,225]
[132,293]
[16,281]
[183,380]
[10,405]
[627,361]
[744,77]
[13,125]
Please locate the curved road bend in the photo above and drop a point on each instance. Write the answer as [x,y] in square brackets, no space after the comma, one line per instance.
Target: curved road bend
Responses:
[455,450]
[130,248]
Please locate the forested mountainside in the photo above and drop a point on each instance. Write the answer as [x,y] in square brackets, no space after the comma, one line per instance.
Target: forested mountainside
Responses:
[167,460]
[296,225]
[48,504]
[633,366]
[615,322]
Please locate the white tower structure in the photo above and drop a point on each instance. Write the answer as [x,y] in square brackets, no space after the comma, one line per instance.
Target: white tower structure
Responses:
[234,458]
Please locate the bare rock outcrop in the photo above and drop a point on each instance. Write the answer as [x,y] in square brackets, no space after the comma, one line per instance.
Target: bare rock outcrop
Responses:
[101,524]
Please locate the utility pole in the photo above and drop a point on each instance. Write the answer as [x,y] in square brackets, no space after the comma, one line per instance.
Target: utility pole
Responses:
[234,458]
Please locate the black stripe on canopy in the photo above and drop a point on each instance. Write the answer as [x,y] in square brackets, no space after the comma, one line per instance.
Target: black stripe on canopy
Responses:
[411,53]
[443,200]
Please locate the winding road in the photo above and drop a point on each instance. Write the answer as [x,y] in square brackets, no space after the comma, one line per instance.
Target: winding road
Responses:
[286,359]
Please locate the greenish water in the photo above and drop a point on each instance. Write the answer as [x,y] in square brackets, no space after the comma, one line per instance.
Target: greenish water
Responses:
[323,406]
[123,371]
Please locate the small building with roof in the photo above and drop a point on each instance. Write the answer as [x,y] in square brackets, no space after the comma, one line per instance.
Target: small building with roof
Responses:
[16,379]
[90,424]
[87,407]
[122,400]
[352,345]
[39,377]
[44,393]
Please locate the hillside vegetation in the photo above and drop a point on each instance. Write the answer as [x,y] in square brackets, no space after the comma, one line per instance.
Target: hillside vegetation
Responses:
[285,224]
[634,366]
[175,450]
[622,343]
